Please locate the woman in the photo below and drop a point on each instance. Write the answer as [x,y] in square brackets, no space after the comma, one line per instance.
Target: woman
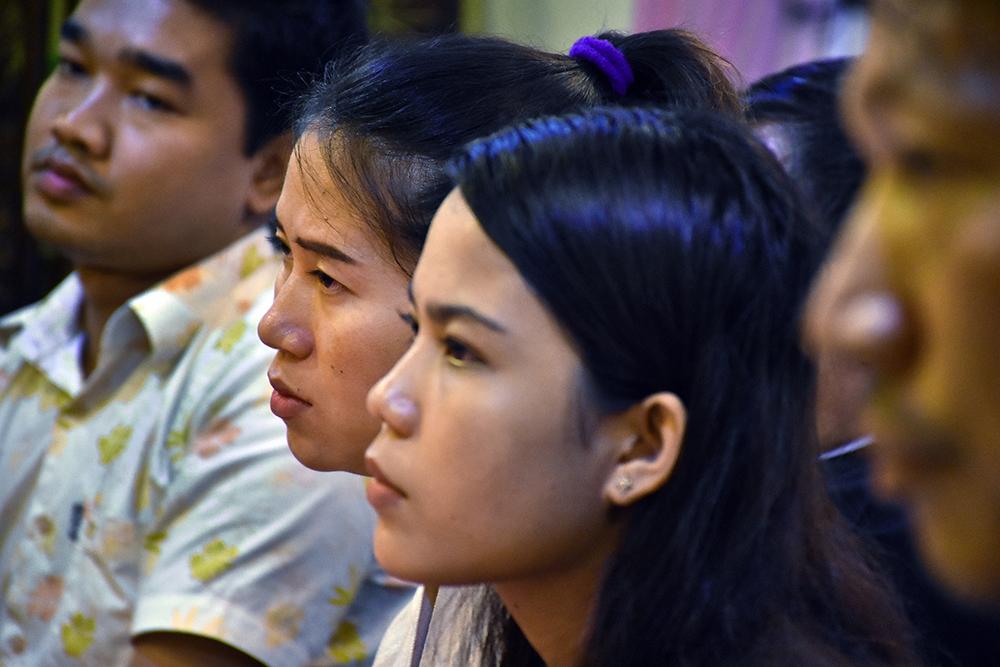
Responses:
[367,175]
[605,414]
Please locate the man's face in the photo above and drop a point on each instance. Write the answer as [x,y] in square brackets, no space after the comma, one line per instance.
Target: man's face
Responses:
[133,157]
[913,292]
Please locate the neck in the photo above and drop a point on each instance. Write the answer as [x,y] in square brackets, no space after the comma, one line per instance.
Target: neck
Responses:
[554,611]
[103,293]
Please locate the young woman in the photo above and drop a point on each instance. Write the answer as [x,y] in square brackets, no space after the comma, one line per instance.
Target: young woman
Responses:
[605,414]
[367,175]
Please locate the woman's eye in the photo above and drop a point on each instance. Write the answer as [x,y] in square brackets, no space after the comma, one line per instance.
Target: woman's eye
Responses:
[458,353]
[279,246]
[326,281]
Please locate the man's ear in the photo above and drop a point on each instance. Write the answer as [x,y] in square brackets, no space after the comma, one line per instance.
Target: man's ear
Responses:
[268,174]
[650,449]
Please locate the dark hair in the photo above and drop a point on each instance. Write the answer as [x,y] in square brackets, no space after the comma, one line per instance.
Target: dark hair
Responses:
[670,248]
[801,103]
[279,48]
[388,118]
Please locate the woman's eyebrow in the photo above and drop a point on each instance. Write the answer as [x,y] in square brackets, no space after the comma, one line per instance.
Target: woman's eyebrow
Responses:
[442,313]
[318,247]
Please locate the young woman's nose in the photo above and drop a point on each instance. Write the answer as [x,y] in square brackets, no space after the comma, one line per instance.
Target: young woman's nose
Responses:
[392,401]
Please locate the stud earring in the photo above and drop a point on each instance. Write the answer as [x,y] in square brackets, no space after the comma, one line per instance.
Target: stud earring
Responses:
[624,483]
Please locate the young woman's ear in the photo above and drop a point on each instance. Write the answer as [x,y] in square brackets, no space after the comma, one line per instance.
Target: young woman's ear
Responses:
[268,174]
[649,453]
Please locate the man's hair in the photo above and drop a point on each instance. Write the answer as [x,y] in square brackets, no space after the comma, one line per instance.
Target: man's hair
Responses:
[279,48]
[802,102]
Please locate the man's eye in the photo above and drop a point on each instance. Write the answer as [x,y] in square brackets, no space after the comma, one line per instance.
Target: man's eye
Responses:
[151,102]
[69,67]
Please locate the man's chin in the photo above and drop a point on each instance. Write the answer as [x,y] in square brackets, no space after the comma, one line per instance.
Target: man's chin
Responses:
[966,567]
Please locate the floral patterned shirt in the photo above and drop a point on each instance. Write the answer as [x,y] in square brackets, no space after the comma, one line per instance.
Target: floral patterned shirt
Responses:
[158,493]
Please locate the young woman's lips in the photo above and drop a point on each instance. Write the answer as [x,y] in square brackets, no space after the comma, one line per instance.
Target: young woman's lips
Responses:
[382,495]
[284,403]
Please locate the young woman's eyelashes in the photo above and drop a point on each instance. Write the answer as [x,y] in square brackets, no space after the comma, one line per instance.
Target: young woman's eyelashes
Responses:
[456,352]
[411,321]
[459,354]
[278,244]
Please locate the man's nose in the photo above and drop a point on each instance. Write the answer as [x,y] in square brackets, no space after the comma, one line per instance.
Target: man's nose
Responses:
[86,122]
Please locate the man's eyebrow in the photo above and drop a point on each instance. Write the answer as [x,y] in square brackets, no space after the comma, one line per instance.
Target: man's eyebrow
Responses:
[157,66]
[442,313]
[72,31]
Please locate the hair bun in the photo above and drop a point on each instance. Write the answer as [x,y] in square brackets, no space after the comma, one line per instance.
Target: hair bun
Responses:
[606,57]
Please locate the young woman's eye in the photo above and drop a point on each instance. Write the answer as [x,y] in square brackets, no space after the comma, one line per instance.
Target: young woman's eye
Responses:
[326,281]
[411,321]
[458,353]
[279,246]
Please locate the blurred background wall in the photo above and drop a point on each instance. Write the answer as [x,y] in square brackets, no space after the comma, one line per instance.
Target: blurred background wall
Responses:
[758,36]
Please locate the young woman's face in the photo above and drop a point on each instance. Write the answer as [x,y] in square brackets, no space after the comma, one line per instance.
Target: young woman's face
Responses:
[490,466]
[335,320]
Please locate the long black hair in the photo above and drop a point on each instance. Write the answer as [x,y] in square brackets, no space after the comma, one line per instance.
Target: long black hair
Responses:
[389,117]
[671,249]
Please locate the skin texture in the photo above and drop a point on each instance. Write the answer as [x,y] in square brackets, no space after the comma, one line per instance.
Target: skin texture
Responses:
[168,183]
[492,466]
[913,289]
[335,321]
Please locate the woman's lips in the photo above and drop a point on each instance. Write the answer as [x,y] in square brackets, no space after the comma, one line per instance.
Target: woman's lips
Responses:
[284,403]
[381,493]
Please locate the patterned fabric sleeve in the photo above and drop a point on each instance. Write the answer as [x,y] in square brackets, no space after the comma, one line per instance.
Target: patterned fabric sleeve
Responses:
[248,546]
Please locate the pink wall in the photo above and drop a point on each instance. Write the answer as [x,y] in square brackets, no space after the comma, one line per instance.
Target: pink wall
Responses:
[755,35]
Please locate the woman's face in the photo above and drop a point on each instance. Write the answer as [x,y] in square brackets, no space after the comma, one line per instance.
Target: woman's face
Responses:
[335,319]
[490,466]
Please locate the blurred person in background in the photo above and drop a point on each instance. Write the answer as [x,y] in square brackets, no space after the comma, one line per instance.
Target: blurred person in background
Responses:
[151,512]
[796,113]
[913,289]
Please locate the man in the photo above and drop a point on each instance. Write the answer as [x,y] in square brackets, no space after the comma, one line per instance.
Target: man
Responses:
[913,291]
[150,513]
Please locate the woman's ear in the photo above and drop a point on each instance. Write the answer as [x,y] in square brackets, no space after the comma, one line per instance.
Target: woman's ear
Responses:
[649,452]
[270,162]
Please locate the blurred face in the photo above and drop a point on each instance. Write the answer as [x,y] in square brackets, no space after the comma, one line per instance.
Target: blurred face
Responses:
[133,155]
[913,292]
[485,469]
[335,321]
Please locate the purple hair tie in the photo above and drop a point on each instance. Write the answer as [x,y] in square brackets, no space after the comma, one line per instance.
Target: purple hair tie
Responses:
[607,58]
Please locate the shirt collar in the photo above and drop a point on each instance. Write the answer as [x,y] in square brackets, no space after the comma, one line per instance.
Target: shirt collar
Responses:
[215,290]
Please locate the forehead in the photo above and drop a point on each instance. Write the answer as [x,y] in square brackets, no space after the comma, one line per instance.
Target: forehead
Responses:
[929,71]
[460,262]
[171,29]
